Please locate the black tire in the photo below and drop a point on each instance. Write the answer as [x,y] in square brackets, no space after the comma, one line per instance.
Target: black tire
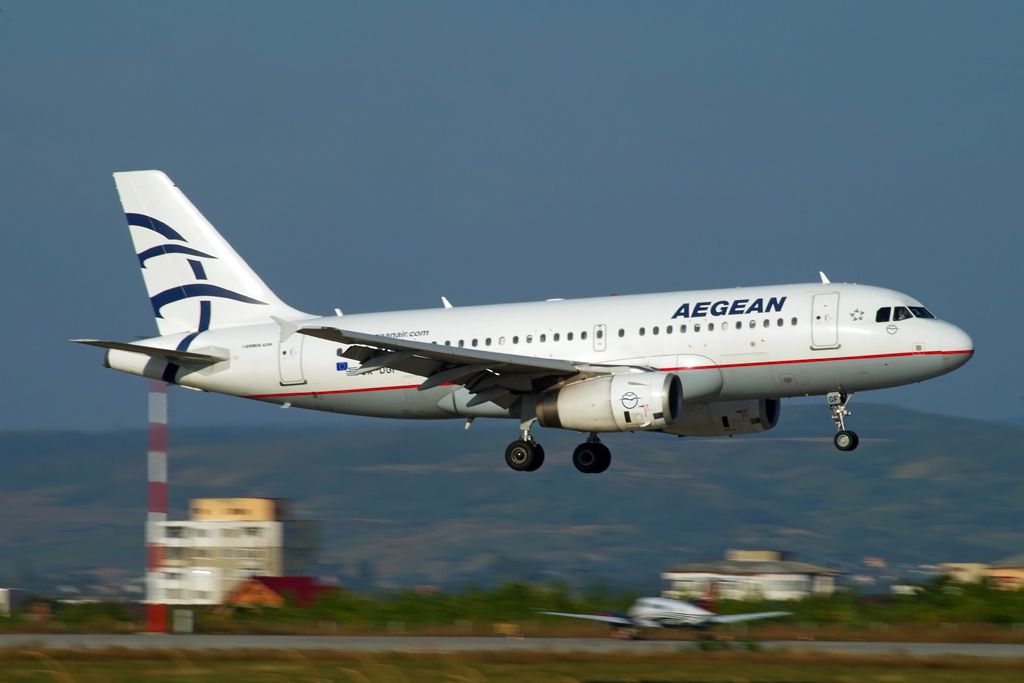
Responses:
[523,456]
[604,459]
[589,458]
[538,457]
[846,440]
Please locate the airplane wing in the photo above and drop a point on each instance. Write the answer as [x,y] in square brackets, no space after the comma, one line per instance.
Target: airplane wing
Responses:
[749,616]
[172,355]
[493,376]
[606,618]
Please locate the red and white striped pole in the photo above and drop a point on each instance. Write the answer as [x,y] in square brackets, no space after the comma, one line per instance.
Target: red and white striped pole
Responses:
[156,610]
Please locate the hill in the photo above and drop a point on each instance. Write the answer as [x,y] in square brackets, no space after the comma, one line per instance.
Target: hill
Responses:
[405,502]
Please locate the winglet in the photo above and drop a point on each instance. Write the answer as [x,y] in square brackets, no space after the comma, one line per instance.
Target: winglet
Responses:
[824,278]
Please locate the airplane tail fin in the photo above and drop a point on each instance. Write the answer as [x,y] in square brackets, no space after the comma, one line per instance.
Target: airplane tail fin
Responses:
[194,279]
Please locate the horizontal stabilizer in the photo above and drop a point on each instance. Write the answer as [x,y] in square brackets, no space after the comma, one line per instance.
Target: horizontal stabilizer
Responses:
[750,616]
[171,355]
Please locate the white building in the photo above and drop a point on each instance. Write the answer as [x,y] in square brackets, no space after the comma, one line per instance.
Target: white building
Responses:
[226,541]
[749,574]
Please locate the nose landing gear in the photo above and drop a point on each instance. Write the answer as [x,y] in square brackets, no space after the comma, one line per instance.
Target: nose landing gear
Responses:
[844,440]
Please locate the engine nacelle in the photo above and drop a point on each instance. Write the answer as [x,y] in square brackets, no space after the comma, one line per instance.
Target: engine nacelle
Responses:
[728,417]
[614,403]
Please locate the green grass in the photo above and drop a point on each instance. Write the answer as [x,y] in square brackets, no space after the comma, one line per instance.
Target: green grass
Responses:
[175,666]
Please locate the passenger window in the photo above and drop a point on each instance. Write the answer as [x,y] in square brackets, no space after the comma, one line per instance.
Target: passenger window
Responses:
[462,342]
[753,324]
[883,315]
[725,325]
[599,334]
[622,332]
[642,331]
[543,338]
[655,330]
[900,313]
[529,339]
[474,342]
[696,327]
[682,329]
[583,334]
[668,329]
[711,327]
[555,337]
[767,322]
[487,342]
[792,321]
[448,343]
[501,341]
[780,322]
[515,339]
[568,336]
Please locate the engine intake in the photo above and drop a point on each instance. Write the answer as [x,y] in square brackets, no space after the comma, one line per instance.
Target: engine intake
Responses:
[614,403]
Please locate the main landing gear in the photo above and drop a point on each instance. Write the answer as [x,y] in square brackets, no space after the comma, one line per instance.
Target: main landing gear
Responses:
[592,456]
[526,455]
[845,440]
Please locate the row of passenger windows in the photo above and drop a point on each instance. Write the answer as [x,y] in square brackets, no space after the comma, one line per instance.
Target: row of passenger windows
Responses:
[898,313]
[643,331]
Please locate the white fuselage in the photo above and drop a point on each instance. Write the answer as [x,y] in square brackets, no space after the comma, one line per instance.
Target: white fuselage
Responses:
[728,345]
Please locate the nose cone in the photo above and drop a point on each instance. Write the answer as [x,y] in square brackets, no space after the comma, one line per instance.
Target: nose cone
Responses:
[957,347]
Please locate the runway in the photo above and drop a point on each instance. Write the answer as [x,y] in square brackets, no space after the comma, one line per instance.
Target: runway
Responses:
[423,644]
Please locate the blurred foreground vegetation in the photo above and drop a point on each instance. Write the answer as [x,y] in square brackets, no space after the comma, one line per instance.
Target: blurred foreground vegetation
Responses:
[513,608]
[525,667]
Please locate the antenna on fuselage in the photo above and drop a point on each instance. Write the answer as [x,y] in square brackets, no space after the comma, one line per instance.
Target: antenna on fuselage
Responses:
[447,304]
[824,278]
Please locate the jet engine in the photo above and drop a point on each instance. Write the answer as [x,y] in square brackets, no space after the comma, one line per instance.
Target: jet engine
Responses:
[614,403]
[728,417]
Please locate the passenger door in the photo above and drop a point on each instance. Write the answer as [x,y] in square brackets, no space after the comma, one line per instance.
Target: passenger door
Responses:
[825,321]
[289,360]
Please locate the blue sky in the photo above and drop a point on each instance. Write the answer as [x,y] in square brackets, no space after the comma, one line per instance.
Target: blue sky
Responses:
[375,156]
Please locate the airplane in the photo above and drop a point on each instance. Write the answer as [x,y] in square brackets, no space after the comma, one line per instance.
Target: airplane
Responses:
[688,363]
[650,613]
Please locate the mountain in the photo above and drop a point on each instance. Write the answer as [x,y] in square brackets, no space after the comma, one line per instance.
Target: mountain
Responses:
[408,502]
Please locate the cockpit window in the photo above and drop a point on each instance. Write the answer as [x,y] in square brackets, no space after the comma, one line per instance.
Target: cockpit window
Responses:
[921,312]
[900,313]
[883,315]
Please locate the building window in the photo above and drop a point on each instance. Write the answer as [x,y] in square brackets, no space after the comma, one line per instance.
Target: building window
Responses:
[253,531]
[174,532]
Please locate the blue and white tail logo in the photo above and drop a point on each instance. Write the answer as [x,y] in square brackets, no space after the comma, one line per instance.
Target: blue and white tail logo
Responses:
[194,279]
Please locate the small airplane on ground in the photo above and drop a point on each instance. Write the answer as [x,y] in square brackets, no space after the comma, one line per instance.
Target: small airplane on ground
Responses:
[649,613]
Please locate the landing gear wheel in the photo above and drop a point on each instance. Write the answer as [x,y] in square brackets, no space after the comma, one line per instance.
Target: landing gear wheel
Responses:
[524,456]
[846,440]
[591,457]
